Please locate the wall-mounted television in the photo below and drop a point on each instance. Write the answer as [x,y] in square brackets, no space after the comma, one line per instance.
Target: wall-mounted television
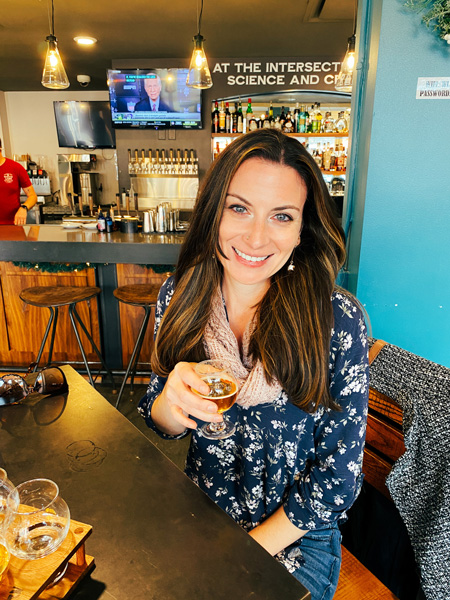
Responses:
[84,124]
[153,98]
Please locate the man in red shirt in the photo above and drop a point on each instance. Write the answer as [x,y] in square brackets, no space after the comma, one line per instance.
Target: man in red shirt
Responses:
[13,177]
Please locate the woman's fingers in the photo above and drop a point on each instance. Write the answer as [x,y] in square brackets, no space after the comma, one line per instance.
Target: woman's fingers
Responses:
[184,402]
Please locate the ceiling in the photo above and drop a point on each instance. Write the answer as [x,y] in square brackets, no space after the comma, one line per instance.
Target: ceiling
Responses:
[144,29]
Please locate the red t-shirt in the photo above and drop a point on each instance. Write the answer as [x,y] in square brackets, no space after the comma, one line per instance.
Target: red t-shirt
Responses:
[12,177]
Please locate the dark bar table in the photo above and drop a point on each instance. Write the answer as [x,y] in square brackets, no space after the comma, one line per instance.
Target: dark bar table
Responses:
[156,535]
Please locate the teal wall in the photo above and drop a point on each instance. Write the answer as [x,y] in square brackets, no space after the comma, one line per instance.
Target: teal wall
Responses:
[400,270]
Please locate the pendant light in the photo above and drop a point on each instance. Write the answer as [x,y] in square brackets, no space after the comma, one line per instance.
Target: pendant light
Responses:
[199,75]
[344,80]
[54,75]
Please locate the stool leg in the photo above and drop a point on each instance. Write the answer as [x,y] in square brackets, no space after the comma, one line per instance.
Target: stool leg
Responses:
[140,341]
[77,335]
[96,350]
[52,340]
[47,329]
[137,346]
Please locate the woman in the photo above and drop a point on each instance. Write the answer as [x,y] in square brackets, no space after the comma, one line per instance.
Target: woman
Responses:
[255,284]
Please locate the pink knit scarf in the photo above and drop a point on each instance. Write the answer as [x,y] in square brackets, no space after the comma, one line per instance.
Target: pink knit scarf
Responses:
[220,342]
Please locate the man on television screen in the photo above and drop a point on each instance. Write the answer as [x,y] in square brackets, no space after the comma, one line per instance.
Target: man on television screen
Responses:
[153,102]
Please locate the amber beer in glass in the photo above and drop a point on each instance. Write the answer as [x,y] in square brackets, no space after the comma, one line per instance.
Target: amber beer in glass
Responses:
[223,391]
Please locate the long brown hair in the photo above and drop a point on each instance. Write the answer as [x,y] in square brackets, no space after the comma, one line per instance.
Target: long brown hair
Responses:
[295,317]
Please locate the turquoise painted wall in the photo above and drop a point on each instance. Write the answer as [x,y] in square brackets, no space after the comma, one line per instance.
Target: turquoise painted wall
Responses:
[403,277]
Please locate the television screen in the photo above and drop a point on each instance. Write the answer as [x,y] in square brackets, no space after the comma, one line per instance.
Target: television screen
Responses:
[84,124]
[153,98]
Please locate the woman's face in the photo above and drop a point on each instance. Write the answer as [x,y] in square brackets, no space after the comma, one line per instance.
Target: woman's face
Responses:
[261,222]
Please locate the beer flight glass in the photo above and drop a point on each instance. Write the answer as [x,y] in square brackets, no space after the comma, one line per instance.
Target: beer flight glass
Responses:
[37,519]
[6,491]
[223,391]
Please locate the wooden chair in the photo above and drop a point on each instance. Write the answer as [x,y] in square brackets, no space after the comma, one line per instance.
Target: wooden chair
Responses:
[384,445]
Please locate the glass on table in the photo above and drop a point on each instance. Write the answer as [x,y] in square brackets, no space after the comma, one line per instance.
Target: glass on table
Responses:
[38,524]
[223,390]
[7,491]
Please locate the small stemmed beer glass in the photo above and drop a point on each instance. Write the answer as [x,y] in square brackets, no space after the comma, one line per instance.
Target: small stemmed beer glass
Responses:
[223,391]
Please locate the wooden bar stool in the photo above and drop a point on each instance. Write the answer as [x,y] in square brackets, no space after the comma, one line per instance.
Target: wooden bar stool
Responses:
[144,295]
[52,297]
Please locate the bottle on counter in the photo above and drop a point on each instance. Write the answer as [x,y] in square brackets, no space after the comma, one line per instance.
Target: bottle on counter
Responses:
[101,222]
[109,224]
[282,118]
[235,119]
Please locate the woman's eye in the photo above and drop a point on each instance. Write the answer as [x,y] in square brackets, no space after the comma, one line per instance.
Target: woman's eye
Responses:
[237,208]
[283,217]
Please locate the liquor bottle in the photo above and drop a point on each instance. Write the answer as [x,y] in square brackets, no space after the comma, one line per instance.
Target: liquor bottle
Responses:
[252,123]
[282,117]
[314,121]
[235,119]
[296,118]
[328,123]
[249,114]
[288,125]
[319,118]
[222,118]
[310,118]
[318,156]
[302,120]
[215,117]
[240,118]
[326,158]
[228,119]
[265,122]
[271,119]
[340,157]
[277,124]
[341,123]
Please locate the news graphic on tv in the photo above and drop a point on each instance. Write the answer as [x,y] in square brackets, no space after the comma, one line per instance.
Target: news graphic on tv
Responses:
[153,98]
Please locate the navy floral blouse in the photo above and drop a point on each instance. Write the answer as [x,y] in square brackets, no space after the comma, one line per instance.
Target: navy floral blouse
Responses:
[280,455]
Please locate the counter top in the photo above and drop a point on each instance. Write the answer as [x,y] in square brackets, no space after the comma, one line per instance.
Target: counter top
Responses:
[53,243]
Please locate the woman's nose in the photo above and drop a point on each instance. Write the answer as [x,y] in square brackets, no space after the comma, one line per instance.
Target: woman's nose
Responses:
[257,234]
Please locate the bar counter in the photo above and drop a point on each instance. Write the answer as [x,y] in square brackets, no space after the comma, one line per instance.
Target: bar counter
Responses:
[118,258]
[53,243]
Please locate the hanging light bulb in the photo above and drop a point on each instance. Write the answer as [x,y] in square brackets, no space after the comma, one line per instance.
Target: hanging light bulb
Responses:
[199,75]
[54,75]
[344,80]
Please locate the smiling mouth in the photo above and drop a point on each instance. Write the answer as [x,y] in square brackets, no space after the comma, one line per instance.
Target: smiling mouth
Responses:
[249,258]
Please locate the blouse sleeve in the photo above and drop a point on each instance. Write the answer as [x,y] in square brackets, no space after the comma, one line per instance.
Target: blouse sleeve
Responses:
[157,383]
[333,479]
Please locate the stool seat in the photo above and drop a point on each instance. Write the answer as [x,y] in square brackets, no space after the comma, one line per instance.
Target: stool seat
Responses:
[45,296]
[53,297]
[140,294]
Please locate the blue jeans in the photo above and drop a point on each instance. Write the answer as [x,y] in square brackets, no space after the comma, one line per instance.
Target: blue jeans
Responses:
[321,562]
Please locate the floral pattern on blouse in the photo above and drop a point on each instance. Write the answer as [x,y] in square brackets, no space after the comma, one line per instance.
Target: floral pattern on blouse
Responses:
[280,455]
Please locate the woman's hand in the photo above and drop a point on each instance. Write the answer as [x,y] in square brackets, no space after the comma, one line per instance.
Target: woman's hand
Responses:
[177,402]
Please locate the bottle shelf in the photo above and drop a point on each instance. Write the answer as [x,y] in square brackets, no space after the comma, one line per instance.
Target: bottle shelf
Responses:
[302,135]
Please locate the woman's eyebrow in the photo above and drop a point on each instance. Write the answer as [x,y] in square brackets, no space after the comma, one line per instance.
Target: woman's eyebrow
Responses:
[239,198]
[287,207]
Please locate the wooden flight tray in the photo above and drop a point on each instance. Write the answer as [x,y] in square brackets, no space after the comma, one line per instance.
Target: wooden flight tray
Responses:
[29,579]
